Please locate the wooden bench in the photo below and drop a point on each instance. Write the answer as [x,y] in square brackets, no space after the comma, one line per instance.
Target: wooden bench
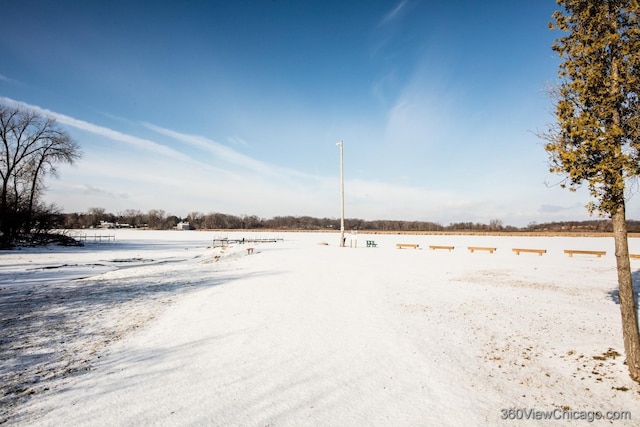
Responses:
[480,248]
[407,245]
[571,252]
[434,247]
[371,244]
[538,251]
[249,251]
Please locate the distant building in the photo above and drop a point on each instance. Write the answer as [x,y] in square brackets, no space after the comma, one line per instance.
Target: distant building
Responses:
[106,224]
[183,226]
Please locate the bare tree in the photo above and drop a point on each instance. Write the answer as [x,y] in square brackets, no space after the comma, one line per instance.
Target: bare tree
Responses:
[31,146]
[495,225]
[156,219]
[196,219]
[95,215]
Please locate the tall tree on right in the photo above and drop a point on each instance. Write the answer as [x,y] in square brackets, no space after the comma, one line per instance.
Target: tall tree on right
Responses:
[596,139]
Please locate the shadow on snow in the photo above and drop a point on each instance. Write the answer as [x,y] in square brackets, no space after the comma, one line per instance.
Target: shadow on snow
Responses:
[614,294]
[52,331]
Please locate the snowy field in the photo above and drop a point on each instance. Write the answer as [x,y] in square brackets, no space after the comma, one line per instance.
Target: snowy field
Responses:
[162,328]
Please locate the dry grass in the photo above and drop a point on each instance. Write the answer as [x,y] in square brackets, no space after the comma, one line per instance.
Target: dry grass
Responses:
[440,233]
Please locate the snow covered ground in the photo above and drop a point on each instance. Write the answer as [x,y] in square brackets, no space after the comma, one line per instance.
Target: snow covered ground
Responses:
[162,328]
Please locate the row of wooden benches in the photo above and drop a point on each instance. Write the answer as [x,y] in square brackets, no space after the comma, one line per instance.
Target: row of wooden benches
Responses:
[517,251]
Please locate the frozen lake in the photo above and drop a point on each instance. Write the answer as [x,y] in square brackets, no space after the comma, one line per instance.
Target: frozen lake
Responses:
[163,328]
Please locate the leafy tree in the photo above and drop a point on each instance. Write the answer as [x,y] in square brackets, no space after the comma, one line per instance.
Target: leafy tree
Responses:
[596,139]
[171,221]
[31,147]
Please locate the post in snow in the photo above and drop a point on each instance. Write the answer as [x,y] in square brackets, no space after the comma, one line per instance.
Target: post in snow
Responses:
[339,144]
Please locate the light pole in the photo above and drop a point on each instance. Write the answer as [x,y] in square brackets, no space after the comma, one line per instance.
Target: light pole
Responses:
[339,144]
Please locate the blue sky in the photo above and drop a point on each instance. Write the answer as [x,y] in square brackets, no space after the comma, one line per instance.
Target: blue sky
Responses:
[237,106]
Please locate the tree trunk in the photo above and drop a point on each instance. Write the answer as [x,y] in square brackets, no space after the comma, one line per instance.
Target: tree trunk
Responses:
[32,192]
[628,310]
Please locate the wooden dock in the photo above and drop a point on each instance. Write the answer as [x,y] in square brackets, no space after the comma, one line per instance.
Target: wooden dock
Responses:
[226,242]
[96,238]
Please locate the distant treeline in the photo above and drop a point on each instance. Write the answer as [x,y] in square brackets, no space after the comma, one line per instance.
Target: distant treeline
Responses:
[604,226]
[158,220]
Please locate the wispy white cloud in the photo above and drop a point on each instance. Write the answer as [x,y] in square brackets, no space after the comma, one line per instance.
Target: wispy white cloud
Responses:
[12,81]
[383,88]
[548,208]
[222,152]
[99,191]
[394,13]
[384,200]
[141,143]
[419,118]
[237,141]
[228,155]
[425,104]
